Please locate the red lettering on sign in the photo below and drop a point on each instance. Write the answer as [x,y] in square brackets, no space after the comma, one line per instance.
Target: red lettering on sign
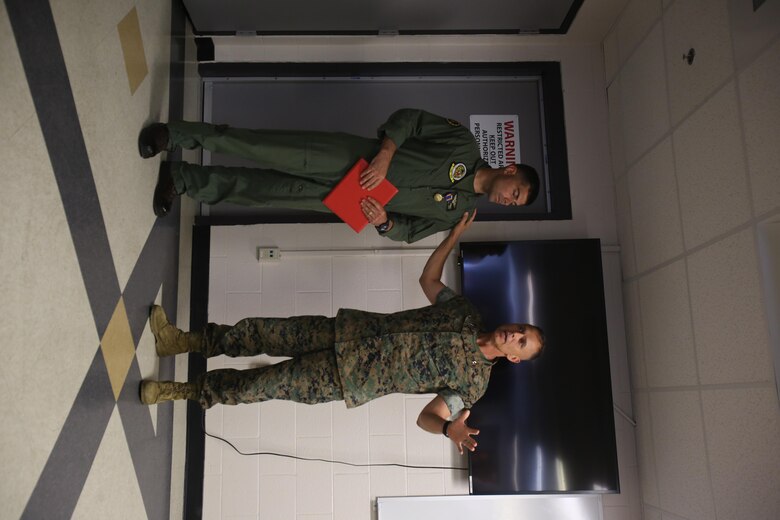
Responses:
[509,142]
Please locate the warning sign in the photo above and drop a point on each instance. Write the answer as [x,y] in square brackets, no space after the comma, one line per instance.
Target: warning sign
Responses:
[497,138]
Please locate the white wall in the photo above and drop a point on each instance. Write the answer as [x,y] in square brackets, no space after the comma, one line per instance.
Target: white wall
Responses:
[384,430]
[696,154]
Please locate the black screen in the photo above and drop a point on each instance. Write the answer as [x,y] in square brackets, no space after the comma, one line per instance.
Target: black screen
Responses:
[546,425]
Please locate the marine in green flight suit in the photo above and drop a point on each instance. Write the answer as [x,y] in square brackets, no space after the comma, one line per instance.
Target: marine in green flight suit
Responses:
[433,161]
[356,356]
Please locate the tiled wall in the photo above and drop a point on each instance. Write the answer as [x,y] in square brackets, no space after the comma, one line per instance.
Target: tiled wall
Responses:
[242,487]
[695,155]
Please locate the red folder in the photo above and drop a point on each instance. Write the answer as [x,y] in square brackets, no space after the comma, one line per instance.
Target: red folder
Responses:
[344,199]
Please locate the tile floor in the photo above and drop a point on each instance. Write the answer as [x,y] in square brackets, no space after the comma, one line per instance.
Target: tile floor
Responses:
[84,258]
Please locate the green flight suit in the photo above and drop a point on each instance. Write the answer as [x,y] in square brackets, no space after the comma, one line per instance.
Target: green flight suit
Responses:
[356,357]
[433,168]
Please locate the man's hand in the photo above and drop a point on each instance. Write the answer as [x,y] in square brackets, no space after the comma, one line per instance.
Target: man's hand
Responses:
[377,168]
[462,225]
[376,171]
[373,211]
[461,434]
[433,417]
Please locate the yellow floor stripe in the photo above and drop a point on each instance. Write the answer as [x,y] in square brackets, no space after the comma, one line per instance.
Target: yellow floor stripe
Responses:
[118,348]
[133,49]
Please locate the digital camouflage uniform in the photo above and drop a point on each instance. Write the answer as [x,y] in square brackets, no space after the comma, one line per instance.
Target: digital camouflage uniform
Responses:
[433,168]
[356,357]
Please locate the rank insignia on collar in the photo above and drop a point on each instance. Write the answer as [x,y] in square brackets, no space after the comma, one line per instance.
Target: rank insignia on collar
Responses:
[457,172]
[452,200]
[452,122]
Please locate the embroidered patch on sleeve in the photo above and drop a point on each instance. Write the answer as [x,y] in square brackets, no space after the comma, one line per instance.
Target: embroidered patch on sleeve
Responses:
[457,171]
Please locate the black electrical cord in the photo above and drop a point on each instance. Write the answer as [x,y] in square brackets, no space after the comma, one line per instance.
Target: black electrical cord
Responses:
[203,427]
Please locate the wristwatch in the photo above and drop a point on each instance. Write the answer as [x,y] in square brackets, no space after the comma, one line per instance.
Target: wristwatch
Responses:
[383,227]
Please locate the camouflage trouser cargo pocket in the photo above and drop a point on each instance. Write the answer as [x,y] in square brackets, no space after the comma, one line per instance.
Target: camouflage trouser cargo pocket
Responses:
[273,336]
[309,378]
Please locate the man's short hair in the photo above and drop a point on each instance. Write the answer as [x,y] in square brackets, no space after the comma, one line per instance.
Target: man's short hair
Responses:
[530,177]
[542,341]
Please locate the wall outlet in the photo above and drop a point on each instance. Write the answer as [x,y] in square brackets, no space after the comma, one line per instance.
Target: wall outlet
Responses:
[268,254]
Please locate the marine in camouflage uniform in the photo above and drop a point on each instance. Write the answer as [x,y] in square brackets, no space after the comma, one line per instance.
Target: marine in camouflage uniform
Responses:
[356,356]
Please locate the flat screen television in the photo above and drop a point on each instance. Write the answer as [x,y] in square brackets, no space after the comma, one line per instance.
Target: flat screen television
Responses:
[546,426]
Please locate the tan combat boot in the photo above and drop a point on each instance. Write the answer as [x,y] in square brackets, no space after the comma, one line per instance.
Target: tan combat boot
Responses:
[169,340]
[153,392]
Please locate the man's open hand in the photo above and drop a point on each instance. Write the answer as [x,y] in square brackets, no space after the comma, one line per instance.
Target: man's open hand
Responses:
[461,434]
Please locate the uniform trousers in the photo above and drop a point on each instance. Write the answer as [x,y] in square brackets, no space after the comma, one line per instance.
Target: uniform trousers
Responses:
[295,169]
[311,376]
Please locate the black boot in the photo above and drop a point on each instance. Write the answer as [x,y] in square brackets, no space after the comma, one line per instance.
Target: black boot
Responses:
[165,191]
[152,140]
